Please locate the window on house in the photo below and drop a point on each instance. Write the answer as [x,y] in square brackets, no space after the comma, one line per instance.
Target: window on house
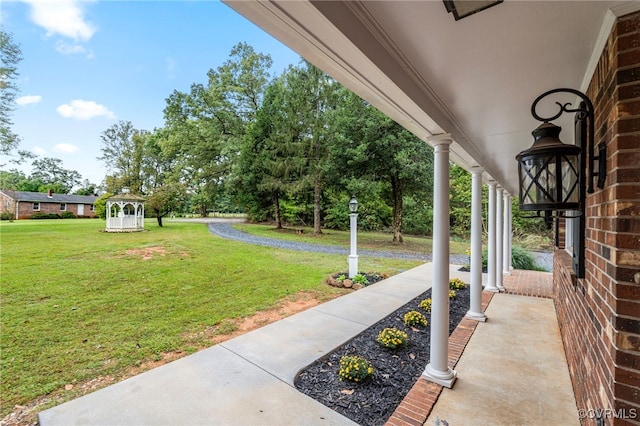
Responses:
[92,207]
[578,232]
[36,206]
[63,207]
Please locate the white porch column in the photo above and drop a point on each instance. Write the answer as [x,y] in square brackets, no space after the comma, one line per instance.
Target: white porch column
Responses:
[475,305]
[108,213]
[438,370]
[510,235]
[499,240]
[491,249]
[506,236]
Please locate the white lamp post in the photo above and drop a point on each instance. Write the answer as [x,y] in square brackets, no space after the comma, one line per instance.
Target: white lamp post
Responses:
[353,224]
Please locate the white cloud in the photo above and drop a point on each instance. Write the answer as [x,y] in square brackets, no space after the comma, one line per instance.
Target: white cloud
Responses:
[30,99]
[71,49]
[65,148]
[84,110]
[63,17]
[38,151]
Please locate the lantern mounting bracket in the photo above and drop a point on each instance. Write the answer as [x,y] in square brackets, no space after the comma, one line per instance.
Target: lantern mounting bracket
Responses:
[584,111]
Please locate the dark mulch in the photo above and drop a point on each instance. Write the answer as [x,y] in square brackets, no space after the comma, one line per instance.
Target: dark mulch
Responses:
[372,277]
[466,268]
[396,371]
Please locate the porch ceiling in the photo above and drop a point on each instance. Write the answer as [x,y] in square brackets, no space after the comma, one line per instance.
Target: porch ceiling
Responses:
[475,78]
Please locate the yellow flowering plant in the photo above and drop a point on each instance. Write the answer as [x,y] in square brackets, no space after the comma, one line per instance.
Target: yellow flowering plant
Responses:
[355,368]
[392,338]
[452,294]
[457,284]
[426,304]
[412,318]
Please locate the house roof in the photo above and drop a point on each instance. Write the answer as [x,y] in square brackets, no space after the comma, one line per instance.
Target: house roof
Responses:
[43,197]
[474,79]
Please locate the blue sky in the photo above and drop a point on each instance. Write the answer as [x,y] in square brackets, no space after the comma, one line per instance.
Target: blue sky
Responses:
[89,64]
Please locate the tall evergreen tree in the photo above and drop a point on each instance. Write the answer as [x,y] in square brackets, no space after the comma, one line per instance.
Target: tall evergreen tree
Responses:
[373,146]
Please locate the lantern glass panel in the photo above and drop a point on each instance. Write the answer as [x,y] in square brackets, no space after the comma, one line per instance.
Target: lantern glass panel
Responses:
[570,179]
[549,182]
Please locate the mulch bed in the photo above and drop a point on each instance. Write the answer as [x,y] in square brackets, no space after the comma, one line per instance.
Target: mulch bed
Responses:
[396,371]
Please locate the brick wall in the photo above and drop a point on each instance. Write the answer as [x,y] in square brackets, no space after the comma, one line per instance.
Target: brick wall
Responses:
[25,209]
[7,204]
[599,315]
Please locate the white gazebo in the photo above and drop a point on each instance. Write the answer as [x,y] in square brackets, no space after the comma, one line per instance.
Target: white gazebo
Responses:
[125,213]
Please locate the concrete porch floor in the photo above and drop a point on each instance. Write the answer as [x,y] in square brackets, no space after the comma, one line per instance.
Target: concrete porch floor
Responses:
[521,377]
[511,370]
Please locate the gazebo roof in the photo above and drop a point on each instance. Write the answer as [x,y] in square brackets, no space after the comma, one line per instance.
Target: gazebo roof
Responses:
[126,197]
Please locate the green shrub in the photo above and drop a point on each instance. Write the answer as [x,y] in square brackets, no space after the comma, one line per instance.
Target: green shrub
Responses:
[7,216]
[100,205]
[417,216]
[44,216]
[355,368]
[415,318]
[457,284]
[392,338]
[68,215]
[522,259]
[373,212]
[426,304]
[360,279]
[293,213]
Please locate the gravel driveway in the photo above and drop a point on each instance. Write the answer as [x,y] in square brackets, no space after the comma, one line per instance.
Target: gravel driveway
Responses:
[224,229]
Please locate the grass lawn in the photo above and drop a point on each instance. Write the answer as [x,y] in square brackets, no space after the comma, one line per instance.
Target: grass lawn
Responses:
[366,240]
[77,303]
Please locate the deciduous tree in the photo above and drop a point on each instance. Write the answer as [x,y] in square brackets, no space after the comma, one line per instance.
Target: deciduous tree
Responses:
[54,176]
[122,153]
[10,56]
[208,124]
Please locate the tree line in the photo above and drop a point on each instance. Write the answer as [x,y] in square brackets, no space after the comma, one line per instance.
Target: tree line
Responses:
[291,149]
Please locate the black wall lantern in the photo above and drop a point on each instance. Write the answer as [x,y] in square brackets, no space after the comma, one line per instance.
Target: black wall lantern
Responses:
[553,175]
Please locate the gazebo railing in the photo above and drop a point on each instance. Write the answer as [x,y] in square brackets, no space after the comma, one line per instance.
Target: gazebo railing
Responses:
[126,222]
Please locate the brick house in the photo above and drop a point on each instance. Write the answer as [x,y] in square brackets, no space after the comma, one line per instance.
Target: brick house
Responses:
[24,204]
[466,86]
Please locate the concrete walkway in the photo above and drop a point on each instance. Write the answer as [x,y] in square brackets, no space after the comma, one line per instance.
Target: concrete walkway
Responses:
[248,380]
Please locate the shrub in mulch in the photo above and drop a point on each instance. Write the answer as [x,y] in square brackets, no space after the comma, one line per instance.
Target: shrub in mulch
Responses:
[396,370]
[362,279]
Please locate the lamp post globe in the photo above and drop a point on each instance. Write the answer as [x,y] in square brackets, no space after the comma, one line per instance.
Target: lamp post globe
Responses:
[353,205]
